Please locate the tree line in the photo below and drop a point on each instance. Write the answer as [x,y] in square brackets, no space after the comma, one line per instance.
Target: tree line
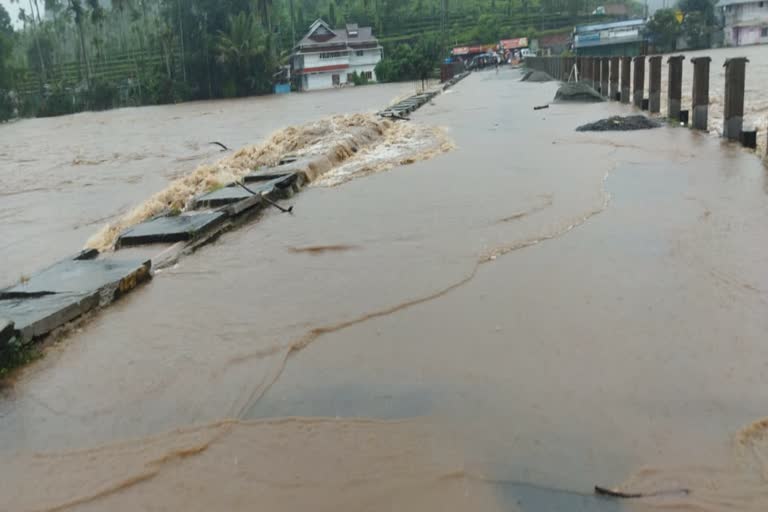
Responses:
[692,22]
[71,55]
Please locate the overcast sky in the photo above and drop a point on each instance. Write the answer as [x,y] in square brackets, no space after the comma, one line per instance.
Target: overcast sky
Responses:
[13,10]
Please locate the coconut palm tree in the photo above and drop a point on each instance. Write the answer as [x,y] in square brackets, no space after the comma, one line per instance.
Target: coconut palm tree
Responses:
[244,49]
[264,8]
[35,33]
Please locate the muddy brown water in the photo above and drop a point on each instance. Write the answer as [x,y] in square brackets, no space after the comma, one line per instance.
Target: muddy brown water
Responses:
[62,178]
[500,327]
[755,99]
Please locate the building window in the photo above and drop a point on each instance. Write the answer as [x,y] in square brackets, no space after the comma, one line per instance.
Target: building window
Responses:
[332,55]
[764,32]
[368,75]
[359,53]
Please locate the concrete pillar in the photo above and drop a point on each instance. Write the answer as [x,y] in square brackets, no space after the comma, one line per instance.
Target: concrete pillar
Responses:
[675,86]
[700,98]
[654,84]
[613,89]
[625,73]
[580,66]
[733,107]
[586,75]
[604,71]
[596,73]
[638,91]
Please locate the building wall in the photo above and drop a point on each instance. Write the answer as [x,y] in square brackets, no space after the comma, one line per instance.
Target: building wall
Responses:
[746,23]
[618,50]
[360,61]
[318,81]
[367,57]
[315,60]
[557,43]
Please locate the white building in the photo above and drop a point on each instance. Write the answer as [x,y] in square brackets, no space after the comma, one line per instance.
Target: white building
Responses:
[746,21]
[327,57]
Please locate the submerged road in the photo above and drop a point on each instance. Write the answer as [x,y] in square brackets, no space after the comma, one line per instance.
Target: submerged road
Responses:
[499,328]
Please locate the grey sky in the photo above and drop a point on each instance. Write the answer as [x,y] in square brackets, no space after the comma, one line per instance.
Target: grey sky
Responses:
[13,10]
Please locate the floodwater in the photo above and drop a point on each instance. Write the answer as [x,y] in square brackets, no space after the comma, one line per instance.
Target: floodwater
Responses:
[62,178]
[500,326]
[755,98]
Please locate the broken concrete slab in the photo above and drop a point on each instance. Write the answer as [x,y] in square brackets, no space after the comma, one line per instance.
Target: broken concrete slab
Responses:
[67,290]
[251,202]
[35,317]
[78,276]
[179,228]
[287,159]
[300,166]
[281,179]
[267,174]
[7,331]
[235,193]
[222,197]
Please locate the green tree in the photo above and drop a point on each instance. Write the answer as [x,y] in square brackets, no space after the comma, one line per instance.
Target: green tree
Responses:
[34,24]
[696,30]
[406,62]
[264,7]
[5,22]
[77,11]
[243,51]
[332,13]
[705,7]
[6,74]
[664,29]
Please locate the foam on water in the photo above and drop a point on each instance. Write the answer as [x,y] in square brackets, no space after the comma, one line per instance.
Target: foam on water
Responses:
[342,147]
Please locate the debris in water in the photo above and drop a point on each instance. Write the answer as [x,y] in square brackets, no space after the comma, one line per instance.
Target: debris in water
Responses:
[321,249]
[537,76]
[223,147]
[613,493]
[265,198]
[577,91]
[541,107]
[619,123]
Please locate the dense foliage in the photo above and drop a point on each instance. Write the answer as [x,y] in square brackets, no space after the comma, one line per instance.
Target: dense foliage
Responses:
[698,28]
[665,29]
[407,62]
[69,55]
